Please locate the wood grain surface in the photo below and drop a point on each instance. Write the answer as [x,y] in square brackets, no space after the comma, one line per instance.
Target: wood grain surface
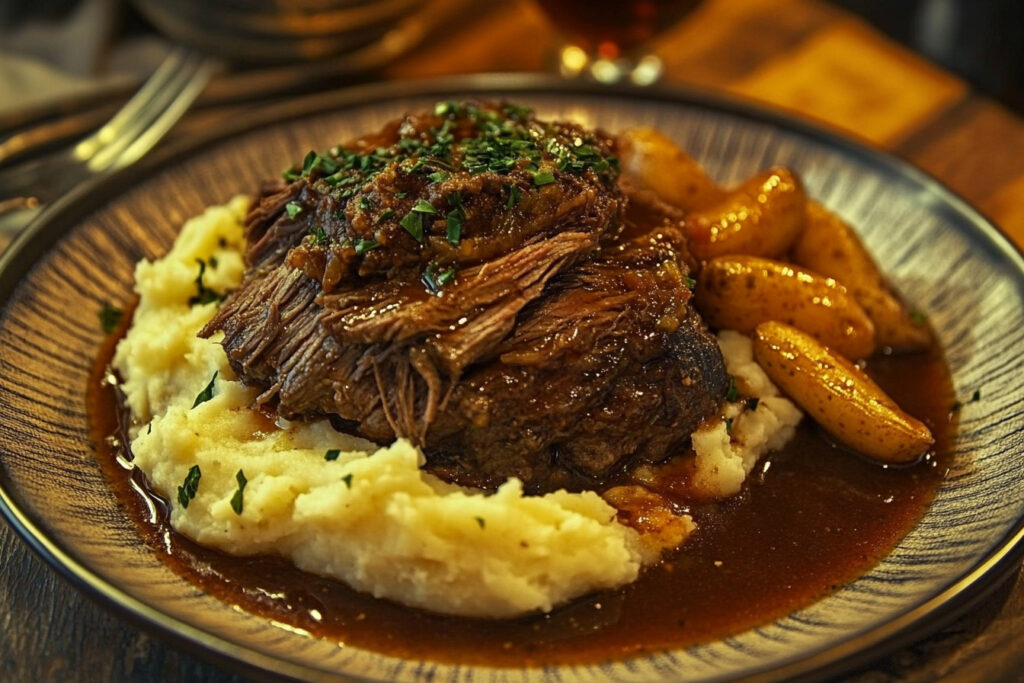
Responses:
[803,56]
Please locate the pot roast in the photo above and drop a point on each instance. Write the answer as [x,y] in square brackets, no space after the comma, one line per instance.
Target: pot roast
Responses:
[479,282]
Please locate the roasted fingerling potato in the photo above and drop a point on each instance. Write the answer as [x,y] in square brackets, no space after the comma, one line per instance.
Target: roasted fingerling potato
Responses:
[839,396]
[655,162]
[761,217]
[741,292]
[831,247]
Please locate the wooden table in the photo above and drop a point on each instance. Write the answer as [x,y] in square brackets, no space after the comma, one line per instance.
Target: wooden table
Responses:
[800,55]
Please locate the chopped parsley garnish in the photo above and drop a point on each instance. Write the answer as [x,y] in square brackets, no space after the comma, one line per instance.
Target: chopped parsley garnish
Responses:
[207,393]
[917,317]
[976,396]
[481,522]
[543,178]
[203,295]
[188,488]
[751,403]
[332,454]
[348,480]
[516,111]
[110,317]
[453,226]
[733,393]
[728,425]
[447,109]
[363,246]
[319,236]
[236,500]
[413,224]
[514,195]
[504,141]
[423,206]
[691,284]
[434,280]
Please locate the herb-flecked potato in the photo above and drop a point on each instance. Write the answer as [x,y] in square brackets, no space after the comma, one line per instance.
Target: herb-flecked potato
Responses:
[657,163]
[830,246]
[841,398]
[761,217]
[741,292]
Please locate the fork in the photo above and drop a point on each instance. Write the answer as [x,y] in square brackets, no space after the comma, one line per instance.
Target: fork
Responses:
[122,141]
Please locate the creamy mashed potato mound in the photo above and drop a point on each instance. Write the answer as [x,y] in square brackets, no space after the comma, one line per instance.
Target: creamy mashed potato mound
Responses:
[341,506]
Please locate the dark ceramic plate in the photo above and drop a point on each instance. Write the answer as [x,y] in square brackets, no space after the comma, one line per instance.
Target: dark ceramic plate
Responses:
[930,242]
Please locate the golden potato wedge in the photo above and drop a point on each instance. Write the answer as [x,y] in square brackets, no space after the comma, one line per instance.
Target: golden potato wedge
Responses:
[841,398]
[762,217]
[831,247]
[657,163]
[741,292]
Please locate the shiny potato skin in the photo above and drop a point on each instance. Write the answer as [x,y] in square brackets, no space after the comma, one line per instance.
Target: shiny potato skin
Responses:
[761,217]
[831,247]
[741,292]
[842,399]
[658,164]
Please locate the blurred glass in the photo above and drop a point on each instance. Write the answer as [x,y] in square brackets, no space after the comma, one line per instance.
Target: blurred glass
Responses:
[608,39]
[274,31]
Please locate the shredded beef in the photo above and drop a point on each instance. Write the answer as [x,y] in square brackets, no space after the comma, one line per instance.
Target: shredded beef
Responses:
[479,282]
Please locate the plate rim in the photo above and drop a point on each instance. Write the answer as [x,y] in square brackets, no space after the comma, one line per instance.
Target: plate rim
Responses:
[26,251]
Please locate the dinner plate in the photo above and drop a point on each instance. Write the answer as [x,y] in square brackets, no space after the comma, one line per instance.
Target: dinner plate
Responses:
[938,250]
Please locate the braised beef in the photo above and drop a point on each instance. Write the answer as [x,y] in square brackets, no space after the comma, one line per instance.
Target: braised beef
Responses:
[477,281]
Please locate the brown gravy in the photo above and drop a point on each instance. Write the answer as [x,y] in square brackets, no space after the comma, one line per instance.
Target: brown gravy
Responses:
[813,519]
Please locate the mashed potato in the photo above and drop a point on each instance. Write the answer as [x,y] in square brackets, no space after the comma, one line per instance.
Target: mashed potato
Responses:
[340,506]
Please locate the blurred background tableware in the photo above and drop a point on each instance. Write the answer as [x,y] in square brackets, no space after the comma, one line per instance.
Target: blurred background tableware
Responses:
[275,31]
[274,47]
[609,40]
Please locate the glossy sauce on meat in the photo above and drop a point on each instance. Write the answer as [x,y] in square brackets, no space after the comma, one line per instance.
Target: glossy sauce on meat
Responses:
[810,519]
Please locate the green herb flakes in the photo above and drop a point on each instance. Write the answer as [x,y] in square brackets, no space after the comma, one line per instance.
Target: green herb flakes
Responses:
[188,488]
[543,178]
[207,393]
[110,317]
[236,500]
[423,206]
[453,226]
[514,195]
[293,209]
[691,284]
[363,246]
[203,295]
[348,480]
[732,393]
[319,236]
[385,215]
[481,522]
[365,203]
[751,403]
[332,454]
[435,280]
[413,224]
[917,317]
[438,177]
[976,396]
[728,425]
